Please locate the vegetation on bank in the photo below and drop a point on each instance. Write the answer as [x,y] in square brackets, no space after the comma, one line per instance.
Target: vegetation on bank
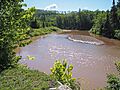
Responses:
[43,31]
[108,23]
[62,72]
[37,32]
[22,78]
[114,80]
[81,20]
[15,30]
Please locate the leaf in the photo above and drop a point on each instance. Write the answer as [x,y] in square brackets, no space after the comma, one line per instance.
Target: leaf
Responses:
[30,57]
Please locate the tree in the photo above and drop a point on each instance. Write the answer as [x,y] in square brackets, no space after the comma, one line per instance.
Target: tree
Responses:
[107,30]
[34,23]
[114,16]
[13,28]
[98,25]
[81,20]
[118,4]
[59,21]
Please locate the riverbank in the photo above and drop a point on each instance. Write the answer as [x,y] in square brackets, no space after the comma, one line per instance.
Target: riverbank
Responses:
[22,78]
[35,34]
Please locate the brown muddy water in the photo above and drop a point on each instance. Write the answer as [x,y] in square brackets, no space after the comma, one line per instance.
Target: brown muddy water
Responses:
[91,62]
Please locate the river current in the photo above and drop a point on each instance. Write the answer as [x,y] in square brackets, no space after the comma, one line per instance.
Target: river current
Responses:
[91,62]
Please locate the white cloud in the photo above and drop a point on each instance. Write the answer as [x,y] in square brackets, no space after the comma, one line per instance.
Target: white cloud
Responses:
[85,8]
[51,7]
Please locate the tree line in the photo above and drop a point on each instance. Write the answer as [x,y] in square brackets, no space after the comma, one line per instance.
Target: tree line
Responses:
[108,23]
[81,20]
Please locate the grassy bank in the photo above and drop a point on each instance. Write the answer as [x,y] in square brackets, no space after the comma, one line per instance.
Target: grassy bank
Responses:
[43,31]
[37,32]
[22,78]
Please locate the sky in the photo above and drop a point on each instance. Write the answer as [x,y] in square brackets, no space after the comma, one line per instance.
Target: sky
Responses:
[70,5]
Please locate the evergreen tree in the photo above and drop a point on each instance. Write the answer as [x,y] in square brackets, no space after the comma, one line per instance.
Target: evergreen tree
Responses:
[118,4]
[106,27]
[59,22]
[114,16]
[118,12]
[34,24]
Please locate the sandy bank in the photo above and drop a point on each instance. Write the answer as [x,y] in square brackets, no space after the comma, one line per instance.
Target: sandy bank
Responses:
[85,39]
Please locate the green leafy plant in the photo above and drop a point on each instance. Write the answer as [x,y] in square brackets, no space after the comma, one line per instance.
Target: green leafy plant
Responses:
[62,72]
[13,29]
[22,78]
[117,34]
[113,80]
[118,65]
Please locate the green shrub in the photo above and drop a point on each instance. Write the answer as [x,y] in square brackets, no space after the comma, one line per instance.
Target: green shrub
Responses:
[62,72]
[98,21]
[118,65]
[22,78]
[13,28]
[113,80]
[43,31]
[24,43]
[117,34]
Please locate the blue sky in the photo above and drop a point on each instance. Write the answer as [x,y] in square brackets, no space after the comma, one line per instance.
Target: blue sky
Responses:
[70,5]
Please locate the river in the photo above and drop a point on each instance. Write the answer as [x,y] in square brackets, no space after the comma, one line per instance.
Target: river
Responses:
[91,62]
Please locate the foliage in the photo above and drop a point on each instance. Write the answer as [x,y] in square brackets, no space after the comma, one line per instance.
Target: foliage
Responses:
[34,23]
[62,72]
[108,25]
[43,18]
[22,78]
[24,43]
[13,27]
[118,65]
[43,31]
[106,28]
[113,80]
[118,4]
[81,20]
[65,20]
[114,16]
[98,21]
[117,34]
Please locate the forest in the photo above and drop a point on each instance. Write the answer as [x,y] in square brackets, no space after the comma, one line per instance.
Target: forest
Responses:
[106,23]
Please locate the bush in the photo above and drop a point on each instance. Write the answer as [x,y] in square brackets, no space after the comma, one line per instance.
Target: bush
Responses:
[118,65]
[43,31]
[117,34]
[22,78]
[55,29]
[62,72]
[113,80]
[98,21]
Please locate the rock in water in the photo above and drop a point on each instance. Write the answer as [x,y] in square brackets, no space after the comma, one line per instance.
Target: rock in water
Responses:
[64,87]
